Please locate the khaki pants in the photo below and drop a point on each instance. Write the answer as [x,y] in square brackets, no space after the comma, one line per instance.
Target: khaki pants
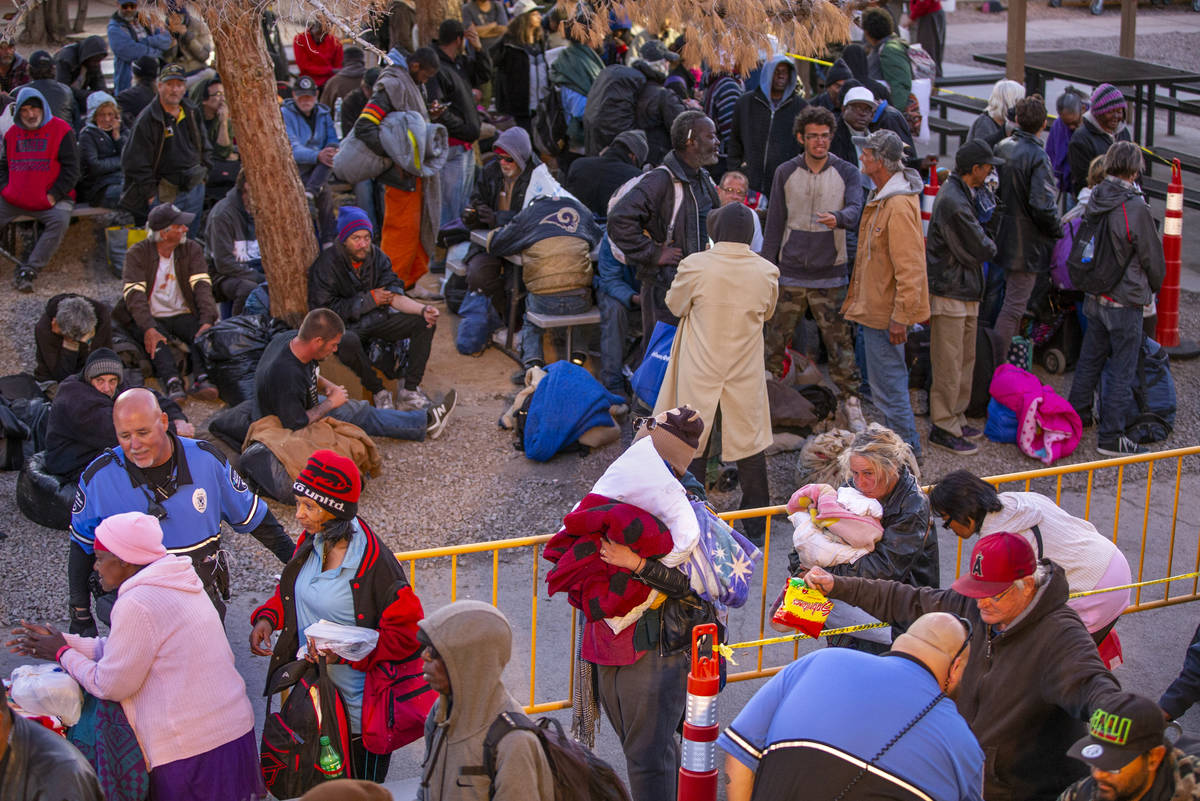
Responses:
[952,356]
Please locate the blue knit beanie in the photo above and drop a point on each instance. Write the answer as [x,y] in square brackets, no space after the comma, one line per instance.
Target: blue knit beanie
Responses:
[351,219]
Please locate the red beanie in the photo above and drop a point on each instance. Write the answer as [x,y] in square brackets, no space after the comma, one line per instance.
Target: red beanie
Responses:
[331,481]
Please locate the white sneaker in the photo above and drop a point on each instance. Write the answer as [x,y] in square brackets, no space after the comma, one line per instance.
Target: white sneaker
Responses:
[383,400]
[411,399]
[500,335]
[854,415]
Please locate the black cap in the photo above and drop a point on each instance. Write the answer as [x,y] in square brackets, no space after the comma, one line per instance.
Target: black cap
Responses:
[167,214]
[172,72]
[654,50]
[1122,728]
[974,152]
[304,85]
[146,67]
[40,59]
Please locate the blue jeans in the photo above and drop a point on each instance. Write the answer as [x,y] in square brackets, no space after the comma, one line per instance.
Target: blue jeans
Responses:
[888,376]
[364,196]
[575,302]
[457,178]
[1111,346]
[192,201]
[614,330]
[390,423]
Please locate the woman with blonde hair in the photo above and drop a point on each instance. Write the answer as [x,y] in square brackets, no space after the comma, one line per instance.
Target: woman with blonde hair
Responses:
[992,123]
[880,465]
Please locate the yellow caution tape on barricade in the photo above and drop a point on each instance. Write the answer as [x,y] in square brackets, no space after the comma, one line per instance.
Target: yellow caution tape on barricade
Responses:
[727,650]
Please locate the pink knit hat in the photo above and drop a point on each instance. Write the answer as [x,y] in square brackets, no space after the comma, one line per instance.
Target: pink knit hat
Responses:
[133,537]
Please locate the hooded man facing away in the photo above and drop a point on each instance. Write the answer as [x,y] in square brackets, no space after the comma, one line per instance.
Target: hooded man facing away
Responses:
[466,646]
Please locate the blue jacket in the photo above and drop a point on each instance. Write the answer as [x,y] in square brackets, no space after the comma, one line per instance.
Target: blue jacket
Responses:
[307,141]
[208,490]
[127,48]
[566,403]
[613,278]
[1185,690]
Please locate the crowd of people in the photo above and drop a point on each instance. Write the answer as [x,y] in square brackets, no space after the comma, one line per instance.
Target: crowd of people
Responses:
[726,207]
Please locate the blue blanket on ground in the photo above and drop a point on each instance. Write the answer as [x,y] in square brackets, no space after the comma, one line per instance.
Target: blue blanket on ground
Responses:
[567,402]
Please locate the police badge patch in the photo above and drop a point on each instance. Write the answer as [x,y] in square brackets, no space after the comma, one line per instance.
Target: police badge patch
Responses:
[235,478]
[79,502]
[200,500]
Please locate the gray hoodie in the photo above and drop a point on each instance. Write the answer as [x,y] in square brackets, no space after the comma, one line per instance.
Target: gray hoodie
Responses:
[1134,237]
[474,641]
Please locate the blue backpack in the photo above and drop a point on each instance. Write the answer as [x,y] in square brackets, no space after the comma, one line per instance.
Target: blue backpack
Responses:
[1154,395]
[479,320]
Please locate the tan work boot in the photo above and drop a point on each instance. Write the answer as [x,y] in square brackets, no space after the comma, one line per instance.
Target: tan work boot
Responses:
[854,416]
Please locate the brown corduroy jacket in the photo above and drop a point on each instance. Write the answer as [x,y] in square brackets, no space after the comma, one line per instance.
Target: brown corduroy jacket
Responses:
[141,268]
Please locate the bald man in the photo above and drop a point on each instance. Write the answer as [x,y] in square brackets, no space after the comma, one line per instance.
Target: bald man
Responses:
[186,483]
[829,712]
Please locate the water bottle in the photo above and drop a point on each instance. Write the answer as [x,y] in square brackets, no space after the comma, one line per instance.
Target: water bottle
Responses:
[1088,250]
[337,118]
[329,761]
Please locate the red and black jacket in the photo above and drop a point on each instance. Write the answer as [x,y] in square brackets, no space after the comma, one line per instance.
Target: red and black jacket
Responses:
[383,600]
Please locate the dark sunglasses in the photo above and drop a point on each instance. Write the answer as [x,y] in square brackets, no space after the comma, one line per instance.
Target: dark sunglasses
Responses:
[508,159]
[648,422]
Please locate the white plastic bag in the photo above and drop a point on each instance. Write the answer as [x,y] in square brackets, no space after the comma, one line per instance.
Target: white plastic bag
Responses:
[47,690]
[351,643]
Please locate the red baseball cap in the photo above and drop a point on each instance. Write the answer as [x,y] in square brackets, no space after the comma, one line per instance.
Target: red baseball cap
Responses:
[997,560]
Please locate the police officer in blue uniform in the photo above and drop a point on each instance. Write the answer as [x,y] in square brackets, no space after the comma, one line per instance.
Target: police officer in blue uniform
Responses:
[186,483]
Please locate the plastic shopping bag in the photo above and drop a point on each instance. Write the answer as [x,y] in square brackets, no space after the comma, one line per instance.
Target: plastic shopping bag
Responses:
[48,690]
[804,608]
[351,643]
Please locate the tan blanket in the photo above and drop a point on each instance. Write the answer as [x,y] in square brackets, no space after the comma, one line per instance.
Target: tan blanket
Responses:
[293,448]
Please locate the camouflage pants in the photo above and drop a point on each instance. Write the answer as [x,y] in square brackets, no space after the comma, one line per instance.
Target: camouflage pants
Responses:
[826,306]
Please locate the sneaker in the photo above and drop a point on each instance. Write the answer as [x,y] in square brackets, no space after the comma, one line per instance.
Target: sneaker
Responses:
[971,432]
[1121,446]
[202,390]
[419,292]
[175,389]
[383,400]
[23,282]
[854,416]
[500,336]
[944,439]
[438,415]
[412,399]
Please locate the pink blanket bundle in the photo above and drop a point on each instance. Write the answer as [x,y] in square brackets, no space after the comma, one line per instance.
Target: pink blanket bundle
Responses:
[1048,428]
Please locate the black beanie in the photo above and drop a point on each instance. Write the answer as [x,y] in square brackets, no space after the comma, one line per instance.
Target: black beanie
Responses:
[840,71]
[731,223]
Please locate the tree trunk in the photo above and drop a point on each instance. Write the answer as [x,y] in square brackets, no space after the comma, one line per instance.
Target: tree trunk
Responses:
[35,25]
[281,217]
[57,23]
[80,15]
[430,14]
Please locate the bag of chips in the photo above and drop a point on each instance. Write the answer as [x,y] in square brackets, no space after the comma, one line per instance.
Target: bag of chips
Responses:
[804,608]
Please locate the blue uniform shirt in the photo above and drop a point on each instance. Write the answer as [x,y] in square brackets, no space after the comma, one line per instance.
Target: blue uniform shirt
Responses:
[856,702]
[207,491]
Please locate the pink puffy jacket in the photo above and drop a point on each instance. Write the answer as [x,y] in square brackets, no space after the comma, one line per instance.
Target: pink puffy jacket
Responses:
[1048,428]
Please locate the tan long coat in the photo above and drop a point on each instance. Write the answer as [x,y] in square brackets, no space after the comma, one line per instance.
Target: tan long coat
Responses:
[722,297]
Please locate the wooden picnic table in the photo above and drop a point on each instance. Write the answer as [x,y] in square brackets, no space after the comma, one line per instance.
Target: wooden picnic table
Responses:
[1088,67]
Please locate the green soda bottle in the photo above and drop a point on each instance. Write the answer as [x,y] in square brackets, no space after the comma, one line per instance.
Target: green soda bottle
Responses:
[329,762]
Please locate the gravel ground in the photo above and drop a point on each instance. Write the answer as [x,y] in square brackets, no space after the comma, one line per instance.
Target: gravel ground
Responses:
[469,485]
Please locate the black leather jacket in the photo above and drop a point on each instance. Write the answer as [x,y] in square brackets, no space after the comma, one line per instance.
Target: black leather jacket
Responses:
[908,550]
[957,246]
[43,765]
[1028,205]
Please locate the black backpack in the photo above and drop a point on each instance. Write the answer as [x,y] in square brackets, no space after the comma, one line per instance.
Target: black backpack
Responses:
[579,775]
[1093,265]
[550,125]
[291,739]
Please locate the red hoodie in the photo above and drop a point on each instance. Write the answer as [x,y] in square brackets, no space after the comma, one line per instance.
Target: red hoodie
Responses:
[32,161]
[318,61]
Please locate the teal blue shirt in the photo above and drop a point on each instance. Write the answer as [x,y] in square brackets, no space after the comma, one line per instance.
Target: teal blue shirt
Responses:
[325,595]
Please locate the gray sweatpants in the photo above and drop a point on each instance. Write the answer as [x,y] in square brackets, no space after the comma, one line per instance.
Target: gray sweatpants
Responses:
[54,219]
[645,703]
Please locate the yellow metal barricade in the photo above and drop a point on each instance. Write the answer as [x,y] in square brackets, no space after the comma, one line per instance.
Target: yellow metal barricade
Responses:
[1098,486]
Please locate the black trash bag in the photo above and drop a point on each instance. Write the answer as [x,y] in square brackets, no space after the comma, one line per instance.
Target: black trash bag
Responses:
[44,497]
[455,291]
[266,473]
[20,386]
[823,400]
[232,348]
[230,425]
[14,434]
[35,414]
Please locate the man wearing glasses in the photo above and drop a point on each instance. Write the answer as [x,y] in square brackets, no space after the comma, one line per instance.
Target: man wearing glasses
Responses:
[1033,677]
[916,746]
[816,198]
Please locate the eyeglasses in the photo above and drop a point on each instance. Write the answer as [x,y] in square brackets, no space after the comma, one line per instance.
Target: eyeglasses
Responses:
[970,628]
[820,137]
[734,192]
[995,599]
[649,422]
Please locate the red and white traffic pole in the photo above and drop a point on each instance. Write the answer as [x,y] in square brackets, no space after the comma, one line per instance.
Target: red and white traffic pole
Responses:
[928,196]
[1167,330]
[698,763]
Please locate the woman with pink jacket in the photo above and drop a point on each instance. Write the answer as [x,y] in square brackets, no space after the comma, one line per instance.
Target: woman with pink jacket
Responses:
[167,662]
